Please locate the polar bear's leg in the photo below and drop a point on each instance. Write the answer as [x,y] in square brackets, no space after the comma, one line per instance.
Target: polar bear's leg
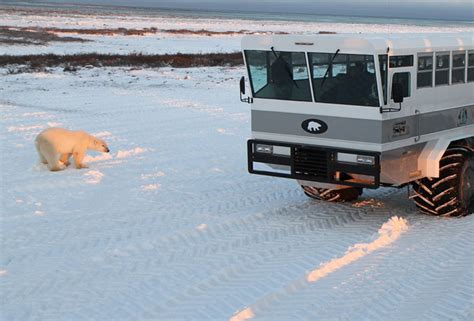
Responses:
[53,163]
[78,157]
[65,159]
[41,157]
[52,158]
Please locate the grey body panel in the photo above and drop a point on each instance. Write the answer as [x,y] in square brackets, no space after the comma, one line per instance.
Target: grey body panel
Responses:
[338,127]
[400,166]
[364,130]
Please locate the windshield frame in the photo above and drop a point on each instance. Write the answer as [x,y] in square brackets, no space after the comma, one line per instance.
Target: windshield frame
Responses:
[344,58]
[300,89]
[376,101]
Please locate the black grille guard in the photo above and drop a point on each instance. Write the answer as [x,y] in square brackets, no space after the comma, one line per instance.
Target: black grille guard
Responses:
[315,163]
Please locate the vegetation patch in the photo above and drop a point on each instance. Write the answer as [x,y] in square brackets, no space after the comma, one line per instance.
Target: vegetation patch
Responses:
[31,63]
[25,36]
[131,32]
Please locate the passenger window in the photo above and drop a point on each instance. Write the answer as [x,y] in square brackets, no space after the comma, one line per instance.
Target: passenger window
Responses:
[442,69]
[470,69]
[401,61]
[404,79]
[425,71]
[459,67]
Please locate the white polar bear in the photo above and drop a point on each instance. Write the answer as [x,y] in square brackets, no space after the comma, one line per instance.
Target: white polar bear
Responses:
[56,145]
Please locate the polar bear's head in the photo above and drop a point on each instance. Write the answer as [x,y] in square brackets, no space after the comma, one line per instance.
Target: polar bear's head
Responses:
[98,145]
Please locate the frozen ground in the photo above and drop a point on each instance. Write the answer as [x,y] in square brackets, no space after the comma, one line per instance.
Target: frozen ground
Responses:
[171,227]
[166,43]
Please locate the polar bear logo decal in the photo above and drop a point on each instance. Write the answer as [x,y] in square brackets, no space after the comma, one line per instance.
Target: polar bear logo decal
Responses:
[314,126]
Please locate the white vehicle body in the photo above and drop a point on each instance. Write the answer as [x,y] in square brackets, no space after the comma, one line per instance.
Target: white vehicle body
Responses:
[407,139]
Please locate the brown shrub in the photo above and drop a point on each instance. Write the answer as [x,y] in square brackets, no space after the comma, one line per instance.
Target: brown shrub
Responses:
[131,60]
[24,36]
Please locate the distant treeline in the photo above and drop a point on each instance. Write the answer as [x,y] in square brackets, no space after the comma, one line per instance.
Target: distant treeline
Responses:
[71,62]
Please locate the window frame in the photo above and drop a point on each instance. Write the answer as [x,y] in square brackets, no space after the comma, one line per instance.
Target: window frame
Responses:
[469,67]
[426,71]
[454,68]
[346,62]
[268,55]
[442,69]
[408,85]
[400,58]
[383,77]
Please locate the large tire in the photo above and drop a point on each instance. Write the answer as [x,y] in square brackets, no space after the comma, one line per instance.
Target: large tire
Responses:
[333,195]
[452,194]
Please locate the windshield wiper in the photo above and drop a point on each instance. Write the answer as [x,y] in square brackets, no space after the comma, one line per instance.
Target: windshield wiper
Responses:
[329,66]
[287,67]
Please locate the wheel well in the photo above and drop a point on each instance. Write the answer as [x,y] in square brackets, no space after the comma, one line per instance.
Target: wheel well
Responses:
[465,142]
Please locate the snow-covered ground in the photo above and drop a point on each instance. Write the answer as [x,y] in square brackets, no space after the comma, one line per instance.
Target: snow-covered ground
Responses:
[170,226]
[162,42]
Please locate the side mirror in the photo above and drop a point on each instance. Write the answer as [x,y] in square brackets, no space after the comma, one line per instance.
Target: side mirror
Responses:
[397,92]
[242,85]
[242,92]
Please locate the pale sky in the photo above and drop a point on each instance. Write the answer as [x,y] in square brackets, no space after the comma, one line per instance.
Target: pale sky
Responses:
[430,9]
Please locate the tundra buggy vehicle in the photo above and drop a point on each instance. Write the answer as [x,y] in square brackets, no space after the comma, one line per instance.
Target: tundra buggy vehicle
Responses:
[341,112]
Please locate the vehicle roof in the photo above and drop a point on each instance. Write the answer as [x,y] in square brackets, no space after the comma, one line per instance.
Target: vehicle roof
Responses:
[362,43]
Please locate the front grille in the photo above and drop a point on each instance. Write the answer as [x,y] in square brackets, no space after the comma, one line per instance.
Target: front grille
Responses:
[310,163]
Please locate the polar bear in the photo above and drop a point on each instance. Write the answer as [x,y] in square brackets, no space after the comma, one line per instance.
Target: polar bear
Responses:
[56,145]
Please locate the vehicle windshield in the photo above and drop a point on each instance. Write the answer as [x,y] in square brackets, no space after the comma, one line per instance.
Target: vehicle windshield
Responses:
[349,80]
[278,75]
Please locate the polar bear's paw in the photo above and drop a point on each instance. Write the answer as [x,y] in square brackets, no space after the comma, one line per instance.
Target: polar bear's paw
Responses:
[79,166]
[57,167]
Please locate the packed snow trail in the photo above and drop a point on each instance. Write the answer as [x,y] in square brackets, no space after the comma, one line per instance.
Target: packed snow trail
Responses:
[170,225]
[388,233]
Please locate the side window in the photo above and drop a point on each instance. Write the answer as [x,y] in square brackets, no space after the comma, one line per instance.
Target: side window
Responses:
[442,69]
[425,71]
[401,61]
[459,67]
[257,64]
[383,75]
[404,79]
[470,68]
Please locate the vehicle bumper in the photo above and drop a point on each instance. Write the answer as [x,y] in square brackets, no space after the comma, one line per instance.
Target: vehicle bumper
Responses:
[314,163]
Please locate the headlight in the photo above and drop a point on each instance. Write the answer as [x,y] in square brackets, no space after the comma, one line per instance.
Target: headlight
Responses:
[265,149]
[275,150]
[367,160]
[356,159]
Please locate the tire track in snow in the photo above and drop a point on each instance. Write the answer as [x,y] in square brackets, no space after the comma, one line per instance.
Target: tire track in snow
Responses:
[191,242]
[180,241]
[260,267]
[428,265]
[388,233]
